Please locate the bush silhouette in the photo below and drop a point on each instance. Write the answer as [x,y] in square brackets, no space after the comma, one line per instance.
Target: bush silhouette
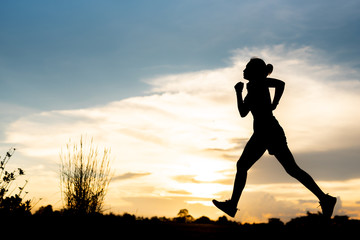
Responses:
[12,205]
[204,220]
[184,216]
[84,178]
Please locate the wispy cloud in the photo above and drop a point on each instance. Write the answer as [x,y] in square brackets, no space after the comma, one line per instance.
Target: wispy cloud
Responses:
[129,175]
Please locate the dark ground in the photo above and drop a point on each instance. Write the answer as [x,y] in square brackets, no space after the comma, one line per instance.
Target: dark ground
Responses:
[115,227]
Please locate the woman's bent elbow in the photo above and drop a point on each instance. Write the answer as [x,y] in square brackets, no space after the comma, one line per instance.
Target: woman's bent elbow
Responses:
[243,114]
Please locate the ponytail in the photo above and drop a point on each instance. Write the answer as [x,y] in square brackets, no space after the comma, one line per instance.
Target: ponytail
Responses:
[269,69]
[259,66]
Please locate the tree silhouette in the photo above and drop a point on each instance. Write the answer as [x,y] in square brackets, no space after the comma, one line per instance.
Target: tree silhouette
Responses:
[184,216]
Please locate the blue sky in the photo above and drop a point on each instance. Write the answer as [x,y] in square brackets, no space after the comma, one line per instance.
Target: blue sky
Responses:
[153,80]
[68,54]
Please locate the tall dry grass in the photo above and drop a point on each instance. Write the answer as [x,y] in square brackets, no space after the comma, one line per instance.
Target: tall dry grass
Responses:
[84,177]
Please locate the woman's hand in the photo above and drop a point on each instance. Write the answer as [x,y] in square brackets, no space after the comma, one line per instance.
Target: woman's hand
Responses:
[242,106]
[239,86]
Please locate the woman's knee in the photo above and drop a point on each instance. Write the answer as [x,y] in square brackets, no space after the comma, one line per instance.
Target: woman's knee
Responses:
[242,166]
[294,171]
[250,155]
[287,160]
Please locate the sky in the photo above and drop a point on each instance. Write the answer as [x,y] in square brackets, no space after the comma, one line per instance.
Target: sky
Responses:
[153,81]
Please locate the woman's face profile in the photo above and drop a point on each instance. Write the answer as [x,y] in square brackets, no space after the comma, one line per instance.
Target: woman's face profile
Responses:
[253,71]
[248,72]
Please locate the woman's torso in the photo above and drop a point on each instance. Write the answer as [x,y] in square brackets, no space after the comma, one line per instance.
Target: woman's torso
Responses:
[259,101]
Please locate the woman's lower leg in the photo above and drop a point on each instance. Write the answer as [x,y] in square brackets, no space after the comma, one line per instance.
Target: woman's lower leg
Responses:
[239,184]
[287,160]
[252,152]
[304,178]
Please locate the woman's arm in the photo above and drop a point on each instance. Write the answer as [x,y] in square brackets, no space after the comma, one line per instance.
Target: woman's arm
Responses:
[279,89]
[243,107]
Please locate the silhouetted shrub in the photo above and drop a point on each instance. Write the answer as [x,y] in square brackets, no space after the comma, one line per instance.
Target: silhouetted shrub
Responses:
[184,217]
[203,219]
[45,211]
[128,217]
[223,220]
[12,205]
[84,178]
[275,222]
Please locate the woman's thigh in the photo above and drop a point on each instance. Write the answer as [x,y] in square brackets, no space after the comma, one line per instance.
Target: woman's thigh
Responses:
[253,150]
[286,159]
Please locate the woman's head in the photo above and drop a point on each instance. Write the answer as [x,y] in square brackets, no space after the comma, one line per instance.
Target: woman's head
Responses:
[257,69]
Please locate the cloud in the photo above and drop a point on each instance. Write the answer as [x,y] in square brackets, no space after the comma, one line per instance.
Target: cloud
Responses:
[187,179]
[129,175]
[260,206]
[186,128]
[179,192]
[317,110]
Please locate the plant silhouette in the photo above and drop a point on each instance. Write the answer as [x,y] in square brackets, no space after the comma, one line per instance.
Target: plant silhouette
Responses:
[84,177]
[12,205]
[267,135]
[184,216]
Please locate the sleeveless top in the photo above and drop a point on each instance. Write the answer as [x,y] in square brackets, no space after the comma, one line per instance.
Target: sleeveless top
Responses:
[258,100]
[267,130]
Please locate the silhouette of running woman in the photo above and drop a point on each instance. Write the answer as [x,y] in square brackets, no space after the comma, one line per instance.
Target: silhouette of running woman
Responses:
[268,135]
